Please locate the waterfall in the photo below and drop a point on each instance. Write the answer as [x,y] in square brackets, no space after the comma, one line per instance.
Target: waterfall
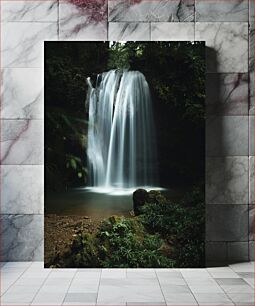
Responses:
[121,138]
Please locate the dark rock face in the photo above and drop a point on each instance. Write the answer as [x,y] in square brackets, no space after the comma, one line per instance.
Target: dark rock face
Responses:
[140,197]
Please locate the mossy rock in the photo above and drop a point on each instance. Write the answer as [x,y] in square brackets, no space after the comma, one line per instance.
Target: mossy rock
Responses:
[140,197]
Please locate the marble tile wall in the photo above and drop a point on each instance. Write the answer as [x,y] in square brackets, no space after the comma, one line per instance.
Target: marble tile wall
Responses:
[228,29]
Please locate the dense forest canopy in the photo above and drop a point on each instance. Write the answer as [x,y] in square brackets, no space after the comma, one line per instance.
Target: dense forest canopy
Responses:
[175,72]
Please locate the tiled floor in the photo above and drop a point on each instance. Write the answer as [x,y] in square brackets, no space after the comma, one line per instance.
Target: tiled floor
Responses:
[27,283]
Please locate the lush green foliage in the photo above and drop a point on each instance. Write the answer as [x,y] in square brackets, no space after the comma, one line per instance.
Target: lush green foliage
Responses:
[166,234]
[120,242]
[181,224]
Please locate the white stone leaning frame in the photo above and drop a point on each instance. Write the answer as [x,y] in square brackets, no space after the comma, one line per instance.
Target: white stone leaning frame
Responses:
[228,31]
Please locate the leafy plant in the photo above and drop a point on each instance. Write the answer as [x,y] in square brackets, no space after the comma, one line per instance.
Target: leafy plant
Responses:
[181,224]
[120,242]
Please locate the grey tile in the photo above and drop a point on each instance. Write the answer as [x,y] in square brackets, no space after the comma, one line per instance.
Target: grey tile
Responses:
[242,299]
[82,21]
[45,298]
[22,191]
[22,142]
[251,92]
[227,222]
[166,289]
[234,10]
[251,135]
[81,297]
[251,68]
[227,180]
[237,288]
[180,31]
[22,237]
[215,253]
[246,274]
[251,180]
[243,267]
[180,299]
[146,303]
[226,43]
[251,222]
[124,31]
[213,299]
[227,135]
[226,94]
[230,281]
[222,272]
[162,10]
[238,252]
[251,250]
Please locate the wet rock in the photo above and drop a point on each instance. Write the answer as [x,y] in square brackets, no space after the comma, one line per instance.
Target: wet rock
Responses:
[140,197]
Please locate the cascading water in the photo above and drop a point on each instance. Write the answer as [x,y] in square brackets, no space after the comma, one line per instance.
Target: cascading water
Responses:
[121,140]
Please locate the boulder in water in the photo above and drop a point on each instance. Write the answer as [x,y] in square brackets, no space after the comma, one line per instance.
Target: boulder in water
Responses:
[140,197]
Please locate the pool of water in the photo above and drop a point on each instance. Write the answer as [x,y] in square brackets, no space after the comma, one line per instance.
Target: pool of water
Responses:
[93,202]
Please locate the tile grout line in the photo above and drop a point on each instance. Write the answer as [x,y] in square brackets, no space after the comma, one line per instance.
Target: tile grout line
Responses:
[160,286]
[69,286]
[223,288]
[98,285]
[15,280]
[189,287]
[40,287]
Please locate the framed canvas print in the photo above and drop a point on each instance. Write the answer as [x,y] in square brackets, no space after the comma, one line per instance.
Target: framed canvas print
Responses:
[124,154]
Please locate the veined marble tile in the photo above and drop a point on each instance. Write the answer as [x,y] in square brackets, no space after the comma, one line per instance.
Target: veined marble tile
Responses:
[227,94]
[78,23]
[23,10]
[251,69]
[227,45]
[181,31]
[227,135]
[22,93]
[227,180]
[22,189]
[213,10]
[152,10]
[251,180]
[227,223]
[22,237]
[124,31]
[251,93]
[22,142]
[22,43]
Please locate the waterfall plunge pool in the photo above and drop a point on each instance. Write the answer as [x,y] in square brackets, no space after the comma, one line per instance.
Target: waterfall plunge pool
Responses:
[97,202]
